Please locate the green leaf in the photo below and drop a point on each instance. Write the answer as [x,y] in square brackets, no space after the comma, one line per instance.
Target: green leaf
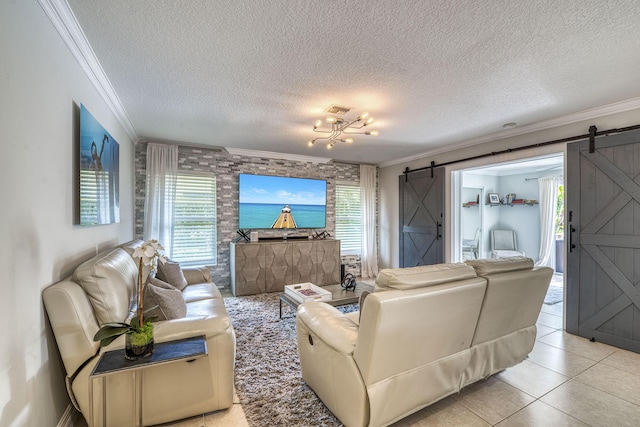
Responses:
[106,341]
[109,331]
[135,323]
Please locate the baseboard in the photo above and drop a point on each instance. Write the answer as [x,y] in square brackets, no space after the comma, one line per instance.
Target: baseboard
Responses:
[68,417]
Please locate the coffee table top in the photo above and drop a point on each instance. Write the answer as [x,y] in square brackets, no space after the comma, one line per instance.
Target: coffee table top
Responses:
[339,295]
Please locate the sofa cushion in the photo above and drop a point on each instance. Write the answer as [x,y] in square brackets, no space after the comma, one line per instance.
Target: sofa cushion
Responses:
[500,265]
[130,247]
[109,279]
[200,291]
[169,301]
[171,273]
[425,275]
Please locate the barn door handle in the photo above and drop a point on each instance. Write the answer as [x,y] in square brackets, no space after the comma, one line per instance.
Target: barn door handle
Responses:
[571,245]
[438,226]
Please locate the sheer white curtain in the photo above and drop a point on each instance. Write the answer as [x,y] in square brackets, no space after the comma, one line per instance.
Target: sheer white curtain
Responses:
[162,166]
[369,258]
[548,192]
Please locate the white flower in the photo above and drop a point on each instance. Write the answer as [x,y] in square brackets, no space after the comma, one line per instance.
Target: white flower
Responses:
[149,252]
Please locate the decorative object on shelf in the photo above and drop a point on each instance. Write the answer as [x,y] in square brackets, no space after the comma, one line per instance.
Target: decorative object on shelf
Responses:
[139,333]
[321,236]
[243,235]
[349,282]
[508,199]
[341,128]
[494,198]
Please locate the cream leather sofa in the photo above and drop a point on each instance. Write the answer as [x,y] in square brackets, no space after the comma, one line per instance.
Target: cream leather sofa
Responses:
[171,391]
[425,333]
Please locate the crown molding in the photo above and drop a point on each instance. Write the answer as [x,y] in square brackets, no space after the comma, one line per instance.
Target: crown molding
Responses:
[274,155]
[65,22]
[593,113]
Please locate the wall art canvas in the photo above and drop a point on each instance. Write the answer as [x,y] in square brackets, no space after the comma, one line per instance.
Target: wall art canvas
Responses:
[99,173]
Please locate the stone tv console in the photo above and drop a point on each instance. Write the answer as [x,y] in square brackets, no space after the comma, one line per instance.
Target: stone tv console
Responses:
[267,266]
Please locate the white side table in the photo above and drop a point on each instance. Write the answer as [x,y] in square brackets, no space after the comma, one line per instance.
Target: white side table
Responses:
[113,361]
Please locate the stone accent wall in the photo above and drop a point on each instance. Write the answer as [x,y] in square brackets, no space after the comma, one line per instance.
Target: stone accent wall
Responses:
[226,168]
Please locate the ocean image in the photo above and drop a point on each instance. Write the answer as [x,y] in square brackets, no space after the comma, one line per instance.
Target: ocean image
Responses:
[262,215]
[263,198]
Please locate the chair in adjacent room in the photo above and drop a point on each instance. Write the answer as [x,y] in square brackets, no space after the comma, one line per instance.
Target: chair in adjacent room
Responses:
[470,246]
[503,244]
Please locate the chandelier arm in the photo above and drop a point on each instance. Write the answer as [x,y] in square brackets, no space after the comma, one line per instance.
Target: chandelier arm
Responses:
[322,131]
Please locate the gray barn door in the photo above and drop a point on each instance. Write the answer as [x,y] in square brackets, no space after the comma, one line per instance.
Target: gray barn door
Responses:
[603,254]
[421,215]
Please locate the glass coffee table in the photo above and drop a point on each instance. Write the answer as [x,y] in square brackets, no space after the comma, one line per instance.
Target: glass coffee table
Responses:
[339,296]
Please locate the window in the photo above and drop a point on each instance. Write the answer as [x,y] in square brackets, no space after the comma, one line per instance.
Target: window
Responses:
[348,221]
[194,233]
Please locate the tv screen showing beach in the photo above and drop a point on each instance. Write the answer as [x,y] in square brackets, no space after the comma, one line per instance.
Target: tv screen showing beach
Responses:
[281,202]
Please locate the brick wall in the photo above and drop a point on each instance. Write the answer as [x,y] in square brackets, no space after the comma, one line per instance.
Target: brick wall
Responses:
[226,168]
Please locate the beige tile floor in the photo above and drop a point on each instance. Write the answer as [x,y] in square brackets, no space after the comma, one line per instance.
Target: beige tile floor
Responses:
[565,381]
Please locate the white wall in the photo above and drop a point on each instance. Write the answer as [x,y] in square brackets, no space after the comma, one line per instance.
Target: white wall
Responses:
[388,176]
[490,215]
[41,87]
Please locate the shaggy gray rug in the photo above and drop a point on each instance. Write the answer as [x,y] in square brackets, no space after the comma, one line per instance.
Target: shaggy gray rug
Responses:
[267,376]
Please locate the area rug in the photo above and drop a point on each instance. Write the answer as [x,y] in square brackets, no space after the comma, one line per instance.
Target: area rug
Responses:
[267,375]
[555,295]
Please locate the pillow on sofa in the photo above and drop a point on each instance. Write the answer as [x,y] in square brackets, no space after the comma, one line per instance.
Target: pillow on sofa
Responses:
[171,273]
[169,301]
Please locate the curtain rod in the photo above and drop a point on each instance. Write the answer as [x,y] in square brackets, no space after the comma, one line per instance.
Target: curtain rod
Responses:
[554,176]
[591,136]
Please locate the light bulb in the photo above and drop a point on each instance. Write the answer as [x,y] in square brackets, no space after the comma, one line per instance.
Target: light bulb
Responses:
[311,143]
[363,116]
[373,132]
[329,146]
[331,119]
[317,124]
[348,140]
[369,121]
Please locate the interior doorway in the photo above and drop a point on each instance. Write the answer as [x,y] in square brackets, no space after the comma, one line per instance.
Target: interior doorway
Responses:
[521,202]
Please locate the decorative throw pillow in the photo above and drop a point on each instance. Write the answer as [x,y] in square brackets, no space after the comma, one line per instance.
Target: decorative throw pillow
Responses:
[169,300]
[171,273]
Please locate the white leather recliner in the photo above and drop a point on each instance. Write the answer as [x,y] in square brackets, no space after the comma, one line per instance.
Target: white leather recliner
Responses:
[170,392]
[422,335]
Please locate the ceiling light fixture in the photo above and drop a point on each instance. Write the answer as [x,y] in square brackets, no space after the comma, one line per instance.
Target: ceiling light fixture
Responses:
[341,129]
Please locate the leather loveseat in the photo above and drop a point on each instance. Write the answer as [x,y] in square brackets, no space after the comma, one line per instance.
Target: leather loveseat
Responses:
[102,289]
[424,333]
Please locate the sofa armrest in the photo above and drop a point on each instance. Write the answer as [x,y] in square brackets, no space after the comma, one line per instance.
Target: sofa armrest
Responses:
[209,326]
[330,325]
[197,275]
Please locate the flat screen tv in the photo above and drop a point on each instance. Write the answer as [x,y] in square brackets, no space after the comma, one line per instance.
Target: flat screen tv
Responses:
[281,202]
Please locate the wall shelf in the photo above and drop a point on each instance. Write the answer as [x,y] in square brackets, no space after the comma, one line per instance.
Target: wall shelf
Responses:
[524,202]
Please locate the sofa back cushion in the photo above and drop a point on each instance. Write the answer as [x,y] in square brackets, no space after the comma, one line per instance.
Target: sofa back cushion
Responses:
[500,265]
[401,330]
[130,247]
[110,280]
[515,293]
[425,275]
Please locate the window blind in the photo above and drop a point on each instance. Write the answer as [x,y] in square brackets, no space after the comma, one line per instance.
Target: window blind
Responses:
[348,219]
[194,233]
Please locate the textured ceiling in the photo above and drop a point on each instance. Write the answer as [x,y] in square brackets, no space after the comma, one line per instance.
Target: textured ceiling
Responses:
[257,74]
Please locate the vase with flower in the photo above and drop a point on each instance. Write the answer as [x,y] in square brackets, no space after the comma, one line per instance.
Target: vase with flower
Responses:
[139,332]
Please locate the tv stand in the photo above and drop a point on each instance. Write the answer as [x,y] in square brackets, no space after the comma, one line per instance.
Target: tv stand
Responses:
[269,265]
